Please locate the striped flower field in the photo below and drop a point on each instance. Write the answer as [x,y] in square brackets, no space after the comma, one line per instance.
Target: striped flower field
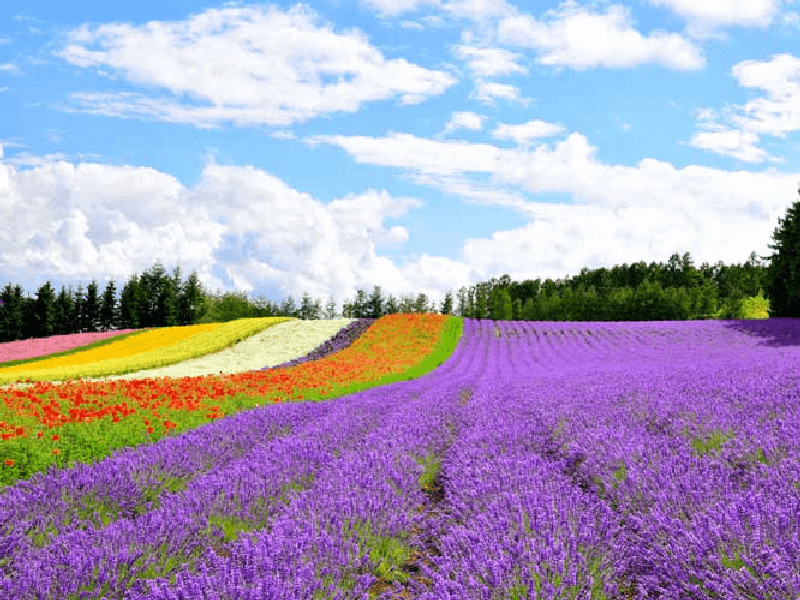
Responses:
[439,458]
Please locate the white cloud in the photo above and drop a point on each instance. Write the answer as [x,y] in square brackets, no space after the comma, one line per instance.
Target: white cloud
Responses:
[485,62]
[524,133]
[486,92]
[245,65]
[776,115]
[106,222]
[581,40]
[462,120]
[716,13]
[648,209]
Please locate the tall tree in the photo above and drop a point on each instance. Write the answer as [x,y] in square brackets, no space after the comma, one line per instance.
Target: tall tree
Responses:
[45,311]
[129,304]
[447,303]
[421,304]
[480,302]
[306,307]
[78,316]
[461,295]
[168,304]
[191,305]
[375,303]
[501,304]
[782,287]
[288,308]
[13,313]
[360,304]
[330,309]
[392,307]
[347,310]
[63,312]
[109,315]
[92,308]
[316,310]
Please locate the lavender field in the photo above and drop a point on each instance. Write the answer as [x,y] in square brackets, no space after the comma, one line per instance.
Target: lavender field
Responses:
[542,460]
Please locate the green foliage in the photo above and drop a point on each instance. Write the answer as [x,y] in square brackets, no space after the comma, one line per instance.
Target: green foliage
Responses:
[782,286]
[501,304]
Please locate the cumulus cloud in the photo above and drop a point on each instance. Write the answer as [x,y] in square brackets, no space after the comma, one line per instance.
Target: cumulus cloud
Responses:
[241,65]
[580,40]
[776,115]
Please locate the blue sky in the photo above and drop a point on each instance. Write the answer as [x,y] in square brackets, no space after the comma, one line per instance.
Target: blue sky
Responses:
[418,145]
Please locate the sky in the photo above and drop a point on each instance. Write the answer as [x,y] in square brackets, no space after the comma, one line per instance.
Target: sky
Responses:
[419,145]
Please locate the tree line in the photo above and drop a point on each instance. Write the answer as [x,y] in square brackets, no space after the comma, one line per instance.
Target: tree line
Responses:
[672,291]
[675,290]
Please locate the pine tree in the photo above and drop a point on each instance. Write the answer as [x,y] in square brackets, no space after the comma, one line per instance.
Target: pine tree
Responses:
[109,315]
[330,309]
[375,304]
[306,307]
[501,304]
[782,286]
[78,316]
[129,313]
[92,308]
[447,304]
[45,311]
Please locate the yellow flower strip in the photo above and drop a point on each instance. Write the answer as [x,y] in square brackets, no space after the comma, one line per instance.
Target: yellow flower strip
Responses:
[158,347]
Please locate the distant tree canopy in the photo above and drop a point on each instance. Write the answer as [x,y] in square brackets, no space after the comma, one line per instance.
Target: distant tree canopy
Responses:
[675,290]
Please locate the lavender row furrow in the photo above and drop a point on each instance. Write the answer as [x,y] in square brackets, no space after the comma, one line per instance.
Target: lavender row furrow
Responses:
[232,489]
[374,485]
[54,500]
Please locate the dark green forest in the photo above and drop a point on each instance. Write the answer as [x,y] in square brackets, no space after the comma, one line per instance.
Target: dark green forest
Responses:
[675,290]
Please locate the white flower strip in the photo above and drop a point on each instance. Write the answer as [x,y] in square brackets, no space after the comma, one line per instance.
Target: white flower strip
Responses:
[273,346]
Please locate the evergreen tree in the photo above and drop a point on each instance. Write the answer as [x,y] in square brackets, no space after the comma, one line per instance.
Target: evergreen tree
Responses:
[316,310]
[109,315]
[347,310]
[78,316]
[129,304]
[191,301]
[501,304]
[421,304]
[391,307]
[480,302]
[168,304]
[45,311]
[92,308]
[288,308]
[462,301]
[29,324]
[375,304]
[447,303]
[360,304]
[13,313]
[330,309]
[306,307]
[782,286]
[63,312]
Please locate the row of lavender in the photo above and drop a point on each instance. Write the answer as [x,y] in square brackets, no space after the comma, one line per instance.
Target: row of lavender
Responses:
[563,476]
[257,505]
[636,478]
